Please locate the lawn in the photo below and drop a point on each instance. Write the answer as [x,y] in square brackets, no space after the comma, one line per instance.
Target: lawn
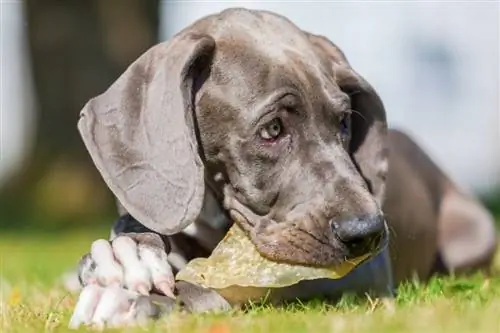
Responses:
[34,302]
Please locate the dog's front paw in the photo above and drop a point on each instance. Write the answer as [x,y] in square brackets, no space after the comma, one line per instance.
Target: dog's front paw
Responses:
[121,281]
[114,307]
[137,262]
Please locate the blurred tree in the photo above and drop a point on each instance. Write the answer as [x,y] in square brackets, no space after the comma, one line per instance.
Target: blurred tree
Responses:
[78,48]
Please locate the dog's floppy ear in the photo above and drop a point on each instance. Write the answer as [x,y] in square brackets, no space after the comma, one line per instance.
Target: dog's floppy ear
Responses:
[141,137]
[368,144]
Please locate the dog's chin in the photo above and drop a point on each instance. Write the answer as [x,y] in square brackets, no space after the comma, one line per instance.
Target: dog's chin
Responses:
[293,244]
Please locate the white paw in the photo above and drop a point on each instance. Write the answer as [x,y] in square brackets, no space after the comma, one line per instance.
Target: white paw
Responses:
[118,277]
[137,266]
[112,307]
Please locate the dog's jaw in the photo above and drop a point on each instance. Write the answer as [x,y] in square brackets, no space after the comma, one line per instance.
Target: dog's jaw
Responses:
[300,241]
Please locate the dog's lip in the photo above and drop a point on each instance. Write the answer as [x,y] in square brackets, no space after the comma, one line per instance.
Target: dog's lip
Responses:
[243,222]
[246,224]
[239,218]
[382,245]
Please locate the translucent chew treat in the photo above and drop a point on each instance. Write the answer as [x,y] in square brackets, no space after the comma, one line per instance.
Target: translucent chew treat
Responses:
[239,273]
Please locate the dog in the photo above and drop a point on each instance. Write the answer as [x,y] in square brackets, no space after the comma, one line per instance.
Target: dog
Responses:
[242,116]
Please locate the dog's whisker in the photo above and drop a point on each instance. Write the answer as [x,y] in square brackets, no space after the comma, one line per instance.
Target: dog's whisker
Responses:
[358,113]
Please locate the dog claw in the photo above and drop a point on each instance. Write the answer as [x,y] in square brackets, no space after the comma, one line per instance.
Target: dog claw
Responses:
[166,289]
[142,289]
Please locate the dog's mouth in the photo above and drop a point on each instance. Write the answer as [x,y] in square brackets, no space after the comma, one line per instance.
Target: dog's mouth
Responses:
[306,242]
[378,245]
[373,247]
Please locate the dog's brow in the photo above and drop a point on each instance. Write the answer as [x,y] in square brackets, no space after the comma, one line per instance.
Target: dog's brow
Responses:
[340,103]
[265,106]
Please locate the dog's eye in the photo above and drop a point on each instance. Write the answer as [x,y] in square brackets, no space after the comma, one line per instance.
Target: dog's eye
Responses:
[272,130]
[345,124]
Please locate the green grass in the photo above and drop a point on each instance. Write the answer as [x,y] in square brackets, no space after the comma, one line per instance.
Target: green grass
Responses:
[35,302]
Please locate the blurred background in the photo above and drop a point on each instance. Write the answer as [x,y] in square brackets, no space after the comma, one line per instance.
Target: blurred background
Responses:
[435,65]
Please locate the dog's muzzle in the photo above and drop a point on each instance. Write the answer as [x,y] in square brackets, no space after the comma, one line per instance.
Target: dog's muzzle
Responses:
[361,236]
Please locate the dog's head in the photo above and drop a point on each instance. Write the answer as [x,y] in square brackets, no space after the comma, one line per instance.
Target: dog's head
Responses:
[277,115]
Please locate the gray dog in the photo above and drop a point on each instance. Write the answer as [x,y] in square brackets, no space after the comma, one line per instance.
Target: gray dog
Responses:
[244,116]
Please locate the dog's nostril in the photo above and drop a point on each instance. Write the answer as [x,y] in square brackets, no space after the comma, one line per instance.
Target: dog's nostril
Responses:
[360,235]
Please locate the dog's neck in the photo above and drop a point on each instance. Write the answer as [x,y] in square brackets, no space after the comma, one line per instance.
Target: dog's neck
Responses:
[213,212]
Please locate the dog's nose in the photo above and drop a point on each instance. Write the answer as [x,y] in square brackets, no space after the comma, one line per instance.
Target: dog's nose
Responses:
[360,235]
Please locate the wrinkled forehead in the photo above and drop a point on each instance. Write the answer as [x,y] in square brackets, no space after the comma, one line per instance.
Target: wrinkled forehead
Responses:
[258,54]
[247,70]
